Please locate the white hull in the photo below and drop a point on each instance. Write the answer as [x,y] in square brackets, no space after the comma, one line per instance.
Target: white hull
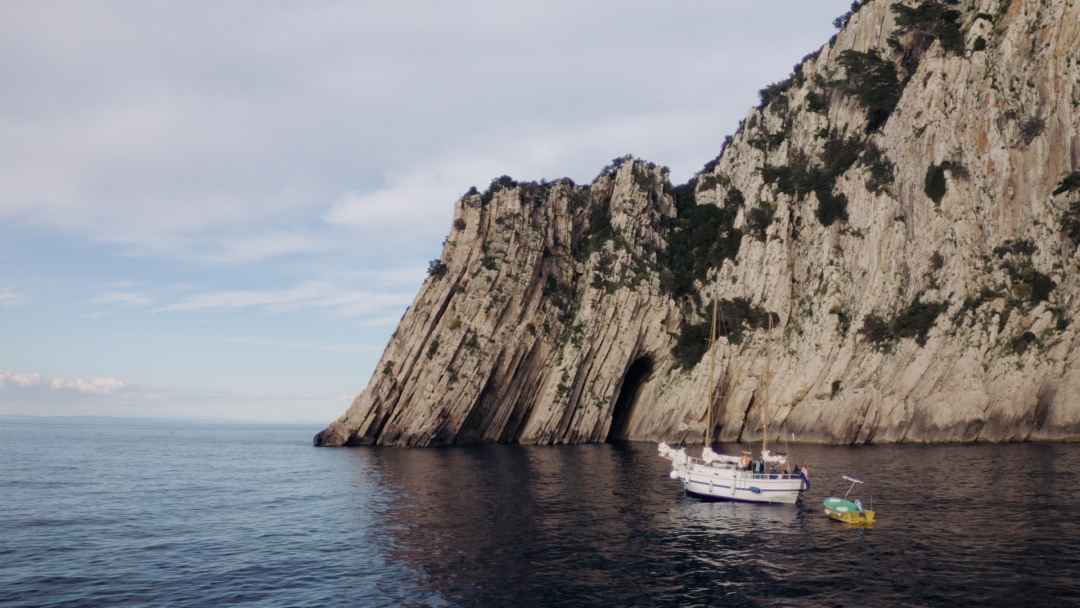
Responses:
[731,484]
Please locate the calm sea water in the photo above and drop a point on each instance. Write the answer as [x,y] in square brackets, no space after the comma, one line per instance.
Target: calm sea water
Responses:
[222,515]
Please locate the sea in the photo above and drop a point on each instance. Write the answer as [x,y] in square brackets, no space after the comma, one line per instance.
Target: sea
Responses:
[101,513]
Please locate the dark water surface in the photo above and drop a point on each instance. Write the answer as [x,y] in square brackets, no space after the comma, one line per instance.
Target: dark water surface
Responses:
[160,514]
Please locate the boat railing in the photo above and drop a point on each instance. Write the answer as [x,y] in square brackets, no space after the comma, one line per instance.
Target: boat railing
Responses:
[691,461]
[775,476]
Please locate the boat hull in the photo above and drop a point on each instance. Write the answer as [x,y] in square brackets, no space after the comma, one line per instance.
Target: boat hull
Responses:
[865,518]
[715,483]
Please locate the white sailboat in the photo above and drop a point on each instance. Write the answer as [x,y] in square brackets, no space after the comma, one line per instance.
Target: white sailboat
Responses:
[714,476]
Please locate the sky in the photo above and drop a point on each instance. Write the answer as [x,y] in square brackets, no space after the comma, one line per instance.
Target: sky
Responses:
[220,210]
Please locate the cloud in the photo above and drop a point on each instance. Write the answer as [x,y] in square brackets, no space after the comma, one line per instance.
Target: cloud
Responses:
[9,380]
[252,248]
[420,200]
[21,380]
[398,206]
[119,130]
[325,347]
[308,295]
[381,322]
[101,386]
[129,298]
[8,297]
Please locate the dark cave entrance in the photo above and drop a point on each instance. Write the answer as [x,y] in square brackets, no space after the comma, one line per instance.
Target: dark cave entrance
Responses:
[636,376]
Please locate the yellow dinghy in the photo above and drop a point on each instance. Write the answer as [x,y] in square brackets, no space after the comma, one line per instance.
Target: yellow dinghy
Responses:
[841,509]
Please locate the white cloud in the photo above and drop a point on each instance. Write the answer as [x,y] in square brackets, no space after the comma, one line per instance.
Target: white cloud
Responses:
[100,386]
[325,347]
[421,200]
[129,298]
[8,297]
[310,295]
[20,380]
[381,322]
[409,277]
[9,380]
[118,129]
[252,248]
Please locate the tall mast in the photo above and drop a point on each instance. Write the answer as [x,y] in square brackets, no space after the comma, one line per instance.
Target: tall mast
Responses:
[712,365]
[765,406]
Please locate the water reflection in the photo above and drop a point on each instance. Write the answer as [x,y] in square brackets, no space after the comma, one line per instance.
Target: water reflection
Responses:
[603,524]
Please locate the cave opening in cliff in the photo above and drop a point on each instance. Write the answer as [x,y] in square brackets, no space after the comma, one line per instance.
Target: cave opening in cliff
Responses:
[630,394]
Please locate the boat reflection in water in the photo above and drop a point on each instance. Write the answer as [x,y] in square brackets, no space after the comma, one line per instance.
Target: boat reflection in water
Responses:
[726,517]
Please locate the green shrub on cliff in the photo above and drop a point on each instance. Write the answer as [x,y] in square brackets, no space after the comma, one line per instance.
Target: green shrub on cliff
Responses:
[831,208]
[1070,183]
[842,21]
[799,178]
[758,220]
[734,199]
[874,81]
[498,184]
[1032,128]
[817,102]
[924,23]
[734,317]
[774,92]
[642,178]
[1017,247]
[935,185]
[1070,220]
[914,321]
[1021,344]
[700,238]
[685,196]
[437,269]
[691,344]
[844,318]
[917,319]
[1029,286]
[882,172]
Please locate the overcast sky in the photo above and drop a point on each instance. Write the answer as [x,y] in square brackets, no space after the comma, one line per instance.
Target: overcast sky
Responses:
[221,209]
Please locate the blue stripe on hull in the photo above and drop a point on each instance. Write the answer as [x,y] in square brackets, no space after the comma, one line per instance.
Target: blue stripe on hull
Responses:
[762,490]
[712,498]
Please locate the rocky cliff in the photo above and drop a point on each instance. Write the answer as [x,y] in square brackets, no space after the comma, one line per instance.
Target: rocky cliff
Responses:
[905,207]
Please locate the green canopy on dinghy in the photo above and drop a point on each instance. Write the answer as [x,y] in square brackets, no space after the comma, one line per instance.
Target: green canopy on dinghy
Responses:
[841,506]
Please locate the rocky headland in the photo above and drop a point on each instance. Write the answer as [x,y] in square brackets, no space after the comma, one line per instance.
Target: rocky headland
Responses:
[905,207]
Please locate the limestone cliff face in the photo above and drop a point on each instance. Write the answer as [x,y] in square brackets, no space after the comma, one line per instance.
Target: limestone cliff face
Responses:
[906,206]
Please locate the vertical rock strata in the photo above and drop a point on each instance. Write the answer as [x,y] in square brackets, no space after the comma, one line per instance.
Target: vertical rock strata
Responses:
[906,206]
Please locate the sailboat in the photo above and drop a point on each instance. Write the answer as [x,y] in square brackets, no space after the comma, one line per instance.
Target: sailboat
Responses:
[717,476]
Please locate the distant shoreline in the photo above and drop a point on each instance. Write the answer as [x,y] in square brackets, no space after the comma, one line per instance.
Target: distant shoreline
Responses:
[152,420]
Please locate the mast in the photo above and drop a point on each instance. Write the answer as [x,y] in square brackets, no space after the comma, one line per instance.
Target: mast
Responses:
[712,365]
[765,406]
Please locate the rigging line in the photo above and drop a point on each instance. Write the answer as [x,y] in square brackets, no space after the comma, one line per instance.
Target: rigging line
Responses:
[712,389]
